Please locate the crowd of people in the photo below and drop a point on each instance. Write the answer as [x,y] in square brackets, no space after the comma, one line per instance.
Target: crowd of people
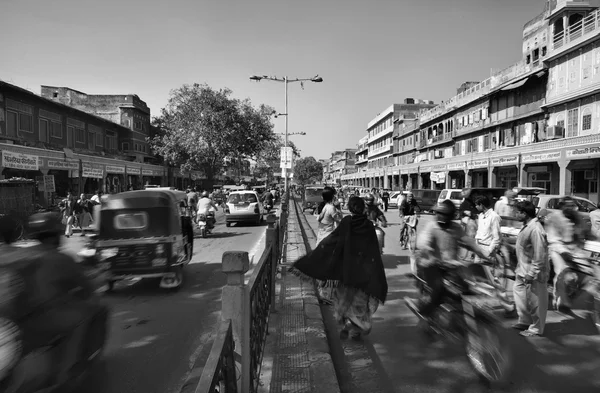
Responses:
[545,245]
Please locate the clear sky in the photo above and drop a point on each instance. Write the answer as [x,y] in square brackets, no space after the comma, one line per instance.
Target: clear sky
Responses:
[370,54]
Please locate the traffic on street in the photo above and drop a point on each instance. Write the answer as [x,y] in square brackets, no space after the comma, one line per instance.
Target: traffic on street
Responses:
[158,337]
[398,357]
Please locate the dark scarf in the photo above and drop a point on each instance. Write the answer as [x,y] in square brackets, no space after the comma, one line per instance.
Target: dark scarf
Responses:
[349,256]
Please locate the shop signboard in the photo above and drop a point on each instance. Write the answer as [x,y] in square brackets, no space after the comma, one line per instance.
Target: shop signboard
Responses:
[541,157]
[92,171]
[502,161]
[396,172]
[21,161]
[49,183]
[478,164]
[134,171]
[115,169]
[425,169]
[438,168]
[62,165]
[455,166]
[147,172]
[584,152]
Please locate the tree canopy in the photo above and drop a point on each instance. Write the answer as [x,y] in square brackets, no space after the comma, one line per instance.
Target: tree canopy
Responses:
[201,127]
[268,159]
[308,170]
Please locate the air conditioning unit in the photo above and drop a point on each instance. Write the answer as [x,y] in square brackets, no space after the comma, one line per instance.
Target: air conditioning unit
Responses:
[589,174]
[555,132]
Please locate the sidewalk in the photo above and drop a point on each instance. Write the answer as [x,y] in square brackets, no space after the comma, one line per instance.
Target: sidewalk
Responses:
[297,357]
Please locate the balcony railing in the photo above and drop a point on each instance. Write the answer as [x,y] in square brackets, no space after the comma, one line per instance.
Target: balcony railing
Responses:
[581,29]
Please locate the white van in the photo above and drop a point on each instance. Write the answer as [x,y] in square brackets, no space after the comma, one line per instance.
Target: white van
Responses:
[455,195]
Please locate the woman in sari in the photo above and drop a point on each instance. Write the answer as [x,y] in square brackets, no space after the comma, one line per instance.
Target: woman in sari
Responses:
[328,218]
[350,258]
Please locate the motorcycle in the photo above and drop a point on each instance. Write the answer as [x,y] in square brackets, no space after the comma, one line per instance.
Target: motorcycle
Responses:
[206,222]
[268,206]
[465,316]
[34,359]
[581,276]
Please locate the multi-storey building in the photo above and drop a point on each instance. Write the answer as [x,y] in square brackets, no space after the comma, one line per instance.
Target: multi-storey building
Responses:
[342,163]
[83,151]
[127,110]
[536,123]
[380,142]
[362,158]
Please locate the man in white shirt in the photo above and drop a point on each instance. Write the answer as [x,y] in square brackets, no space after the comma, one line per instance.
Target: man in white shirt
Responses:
[488,226]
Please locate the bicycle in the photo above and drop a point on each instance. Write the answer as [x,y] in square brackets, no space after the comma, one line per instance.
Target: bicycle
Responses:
[408,237]
[19,227]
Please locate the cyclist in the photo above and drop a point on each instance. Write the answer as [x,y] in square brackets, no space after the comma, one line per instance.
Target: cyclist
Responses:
[407,210]
[373,211]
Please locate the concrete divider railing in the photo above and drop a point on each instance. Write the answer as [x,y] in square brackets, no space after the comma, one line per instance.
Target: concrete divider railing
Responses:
[246,308]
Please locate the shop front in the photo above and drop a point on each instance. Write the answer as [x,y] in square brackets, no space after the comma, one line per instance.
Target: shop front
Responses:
[152,176]
[584,165]
[505,172]
[456,175]
[92,178]
[395,185]
[134,177]
[425,178]
[438,177]
[20,165]
[62,170]
[115,179]
[542,170]
[478,172]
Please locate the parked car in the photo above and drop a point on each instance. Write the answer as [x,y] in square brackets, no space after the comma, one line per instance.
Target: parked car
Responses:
[244,206]
[551,203]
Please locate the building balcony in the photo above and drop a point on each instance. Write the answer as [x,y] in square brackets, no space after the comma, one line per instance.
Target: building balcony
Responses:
[381,150]
[575,35]
[384,133]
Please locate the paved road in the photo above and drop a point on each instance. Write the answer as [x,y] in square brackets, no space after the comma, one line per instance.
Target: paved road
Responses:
[156,336]
[395,358]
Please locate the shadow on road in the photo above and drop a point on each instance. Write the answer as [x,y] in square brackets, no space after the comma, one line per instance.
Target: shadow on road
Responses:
[391,261]
[222,235]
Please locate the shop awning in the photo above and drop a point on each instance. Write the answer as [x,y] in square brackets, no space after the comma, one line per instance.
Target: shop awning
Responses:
[515,85]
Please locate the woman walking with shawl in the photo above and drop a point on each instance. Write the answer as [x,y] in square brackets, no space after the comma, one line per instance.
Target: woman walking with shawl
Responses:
[329,217]
[350,258]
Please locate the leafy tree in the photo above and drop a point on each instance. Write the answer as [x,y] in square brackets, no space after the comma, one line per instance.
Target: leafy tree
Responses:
[308,170]
[200,128]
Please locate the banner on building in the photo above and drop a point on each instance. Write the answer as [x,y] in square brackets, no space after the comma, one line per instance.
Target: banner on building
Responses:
[62,165]
[541,157]
[92,171]
[133,171]
[49,183]
[21,161]
[115,169]
[438,177]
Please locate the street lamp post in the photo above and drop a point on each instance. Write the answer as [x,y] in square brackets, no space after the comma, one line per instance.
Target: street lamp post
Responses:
[286,80]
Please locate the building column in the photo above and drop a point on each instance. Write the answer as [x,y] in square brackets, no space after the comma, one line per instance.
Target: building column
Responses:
[522,173]
[564,174]
[448,180]
[420,182]
[468,177]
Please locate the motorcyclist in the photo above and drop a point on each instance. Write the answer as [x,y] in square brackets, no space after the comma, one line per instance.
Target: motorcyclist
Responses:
[437,248]
[567,232]
[373,211]
[61,302]
[205,204]
[268,198]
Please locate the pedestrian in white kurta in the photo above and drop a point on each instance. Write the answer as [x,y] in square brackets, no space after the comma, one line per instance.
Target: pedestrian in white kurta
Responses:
[531,288]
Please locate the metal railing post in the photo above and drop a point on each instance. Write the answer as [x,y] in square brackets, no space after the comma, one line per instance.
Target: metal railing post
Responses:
[272,239]
[236,307]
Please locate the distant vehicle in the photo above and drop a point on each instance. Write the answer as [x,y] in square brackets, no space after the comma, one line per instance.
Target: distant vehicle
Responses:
[313,195]
[244,206]
[552,203]
[426,199]
[394,199]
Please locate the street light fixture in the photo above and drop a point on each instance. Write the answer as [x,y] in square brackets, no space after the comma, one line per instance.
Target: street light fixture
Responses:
[286,80]
[292,133]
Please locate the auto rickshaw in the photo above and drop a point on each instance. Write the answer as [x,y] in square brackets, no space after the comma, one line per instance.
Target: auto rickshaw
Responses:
[313,195]
[145,234]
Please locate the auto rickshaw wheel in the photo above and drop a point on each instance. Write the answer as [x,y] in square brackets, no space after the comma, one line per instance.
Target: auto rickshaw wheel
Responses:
[227,224]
